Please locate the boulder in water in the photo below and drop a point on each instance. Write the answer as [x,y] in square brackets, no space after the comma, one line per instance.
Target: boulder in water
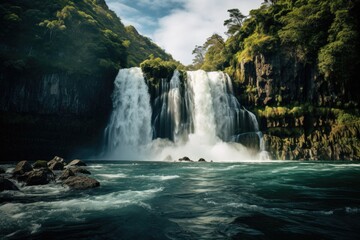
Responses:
[58,159]
[56,165]
[185,159]
[22,168]
[6,184]
[37,177]
[77,170]
[81,182]
[66,174]
[76,162]
[40,164]
[202,160]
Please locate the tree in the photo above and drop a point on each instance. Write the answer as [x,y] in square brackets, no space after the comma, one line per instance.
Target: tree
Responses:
[199,53]
[235,21]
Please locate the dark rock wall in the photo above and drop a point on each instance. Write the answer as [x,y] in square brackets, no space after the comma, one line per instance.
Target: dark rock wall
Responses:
[53,114]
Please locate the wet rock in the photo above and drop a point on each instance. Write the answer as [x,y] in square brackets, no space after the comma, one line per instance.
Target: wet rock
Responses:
[22,168]
[81,182]
[56,166]
[56,159]
[76,162]
[40,164]
[202,160]
[185,159]
[37,177]
[6,184]
[57,163]
[66,174]
[77,170]
[2,170]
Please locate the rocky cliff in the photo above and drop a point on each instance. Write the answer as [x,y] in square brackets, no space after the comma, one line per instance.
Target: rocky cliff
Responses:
[302,115]
[58,62]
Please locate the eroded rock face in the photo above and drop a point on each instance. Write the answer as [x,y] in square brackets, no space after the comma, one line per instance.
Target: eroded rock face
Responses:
[22,168]
[81,182]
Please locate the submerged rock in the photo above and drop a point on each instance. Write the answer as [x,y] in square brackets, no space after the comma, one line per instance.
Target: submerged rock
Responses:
[6,184]
[2,170]
[22,168]
[76,162]
[202,160]
[81,182]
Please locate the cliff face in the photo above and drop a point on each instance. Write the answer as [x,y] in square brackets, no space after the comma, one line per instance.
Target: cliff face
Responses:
[58,62]
[302,115]
[53,114]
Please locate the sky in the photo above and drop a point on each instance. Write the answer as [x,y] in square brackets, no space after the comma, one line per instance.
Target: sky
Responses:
[179,25]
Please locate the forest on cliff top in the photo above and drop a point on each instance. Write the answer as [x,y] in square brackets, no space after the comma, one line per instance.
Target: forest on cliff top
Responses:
[81,37]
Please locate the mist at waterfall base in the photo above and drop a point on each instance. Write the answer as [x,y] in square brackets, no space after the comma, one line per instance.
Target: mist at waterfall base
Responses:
[198,117]
[175,200]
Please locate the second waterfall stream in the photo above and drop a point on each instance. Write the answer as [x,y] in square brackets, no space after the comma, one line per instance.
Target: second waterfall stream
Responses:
[196,116]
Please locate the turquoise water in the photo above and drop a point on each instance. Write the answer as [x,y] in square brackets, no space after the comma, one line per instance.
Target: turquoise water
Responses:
[158,200]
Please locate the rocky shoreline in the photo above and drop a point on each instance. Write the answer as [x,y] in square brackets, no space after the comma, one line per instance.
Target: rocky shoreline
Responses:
[73,175]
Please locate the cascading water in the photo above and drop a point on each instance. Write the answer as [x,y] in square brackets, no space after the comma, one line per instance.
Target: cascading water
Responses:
[196,117]
[129,125]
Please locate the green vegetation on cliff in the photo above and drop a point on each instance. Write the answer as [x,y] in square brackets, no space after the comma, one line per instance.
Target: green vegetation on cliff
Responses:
[316,34]
[76,37]
[155,69]
[295,65]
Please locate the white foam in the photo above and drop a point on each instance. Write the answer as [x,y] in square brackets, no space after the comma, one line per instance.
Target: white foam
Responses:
[117,175]
[158,177]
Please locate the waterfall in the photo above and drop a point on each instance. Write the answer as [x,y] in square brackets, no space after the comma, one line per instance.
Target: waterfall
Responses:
[196,116]
[129,125]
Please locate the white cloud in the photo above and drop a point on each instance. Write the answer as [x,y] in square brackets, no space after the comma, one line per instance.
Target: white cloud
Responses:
[156,4]
[179,32]
[185,23]
[132,16]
